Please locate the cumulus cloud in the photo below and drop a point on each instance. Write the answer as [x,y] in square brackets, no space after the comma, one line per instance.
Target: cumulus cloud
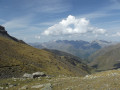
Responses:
[71,26]
[116,35]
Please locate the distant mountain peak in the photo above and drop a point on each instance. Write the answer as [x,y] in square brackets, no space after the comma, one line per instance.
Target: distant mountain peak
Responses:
[101,41]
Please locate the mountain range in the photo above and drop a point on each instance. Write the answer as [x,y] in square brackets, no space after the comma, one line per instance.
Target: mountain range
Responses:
[80,48]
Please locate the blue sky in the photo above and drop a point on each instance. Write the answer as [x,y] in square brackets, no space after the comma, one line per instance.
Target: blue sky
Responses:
[46,20]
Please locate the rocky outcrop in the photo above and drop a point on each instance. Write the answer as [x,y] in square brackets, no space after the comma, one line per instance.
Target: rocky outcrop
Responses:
[47,86]
[1,27]
[4,33]
[34,75]
[26,75]
[38,74]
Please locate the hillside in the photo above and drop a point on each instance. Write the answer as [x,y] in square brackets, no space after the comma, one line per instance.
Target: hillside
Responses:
[69,57]
[61,54]
[17,58]
[106,58]
[82,49]
[107,80]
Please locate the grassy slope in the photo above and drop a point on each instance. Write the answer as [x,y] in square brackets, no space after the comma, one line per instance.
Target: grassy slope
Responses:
[107,58]
[17,59]
[108,80]
[74,60]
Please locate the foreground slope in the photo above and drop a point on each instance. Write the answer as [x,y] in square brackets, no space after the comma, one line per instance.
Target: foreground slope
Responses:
[107,80]
[106,58]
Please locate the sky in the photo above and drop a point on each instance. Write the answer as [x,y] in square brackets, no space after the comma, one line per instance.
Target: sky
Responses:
[48,20]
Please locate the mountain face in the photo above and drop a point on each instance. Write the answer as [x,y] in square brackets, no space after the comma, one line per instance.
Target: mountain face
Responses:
[106,58]
[17,58]
[82,49]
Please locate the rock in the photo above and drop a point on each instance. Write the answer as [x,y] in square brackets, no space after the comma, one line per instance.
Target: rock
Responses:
[48,77]
[24,87]
[37,86]
[34,75]
[2,88]
[2,29]
[47,86]
[38,74]
[26,75]
[6,88]
[6,84]
[11,86]
[14,85]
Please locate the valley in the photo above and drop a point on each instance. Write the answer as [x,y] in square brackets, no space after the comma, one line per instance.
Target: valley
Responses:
[60,70]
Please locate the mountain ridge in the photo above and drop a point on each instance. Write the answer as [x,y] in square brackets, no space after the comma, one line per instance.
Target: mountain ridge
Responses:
[106,58]
[3,33]
[80,48]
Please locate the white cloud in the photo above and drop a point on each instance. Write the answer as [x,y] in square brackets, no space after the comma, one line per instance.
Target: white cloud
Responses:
[116,35]
[22,23]
[71,26]
[16,23]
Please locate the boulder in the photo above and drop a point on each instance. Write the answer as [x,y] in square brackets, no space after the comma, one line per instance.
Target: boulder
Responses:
[37,86]
[1,88]
[38,74]
[47,86]
[24,87]
[26,75]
